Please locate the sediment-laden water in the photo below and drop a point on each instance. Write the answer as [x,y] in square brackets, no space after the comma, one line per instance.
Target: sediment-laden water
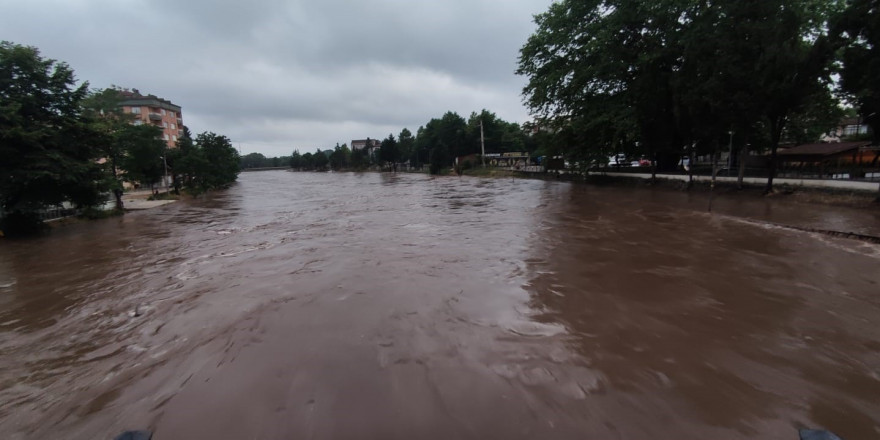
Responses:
[335,306]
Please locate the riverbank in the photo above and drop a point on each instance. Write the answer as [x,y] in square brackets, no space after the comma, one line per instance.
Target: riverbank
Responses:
[831,193]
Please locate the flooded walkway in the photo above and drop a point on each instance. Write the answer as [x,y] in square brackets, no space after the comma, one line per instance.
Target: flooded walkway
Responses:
[327,306]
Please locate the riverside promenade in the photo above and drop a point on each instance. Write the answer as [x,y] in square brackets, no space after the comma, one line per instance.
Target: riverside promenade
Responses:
[138,200]
[810,183]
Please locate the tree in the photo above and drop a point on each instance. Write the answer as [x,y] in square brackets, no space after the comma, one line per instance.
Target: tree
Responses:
[654,77]
[389,153]
[340,157]
[221,160]
[320,160]
[143,150]
[183,161]
[359,159]
[308,161]
[296,161]
[439,159]
[443,139]
[607,68]
[49,149]
[859,25]
[255,160]
[406,143]
[797,63]
[209,162]
[102,107]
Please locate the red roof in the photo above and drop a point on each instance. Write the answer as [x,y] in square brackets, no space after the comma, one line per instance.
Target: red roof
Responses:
[823,149]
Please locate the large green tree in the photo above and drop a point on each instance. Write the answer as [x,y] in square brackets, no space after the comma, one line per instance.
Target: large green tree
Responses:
[102,107]
[255,160]
[606,68]
[859,26]
[658,77]
[221,157]
[49,148]
[143,160]
[389,152]
[205,163]
[296,160]
[406,143]
[321,161]
[444,139]
[340,157]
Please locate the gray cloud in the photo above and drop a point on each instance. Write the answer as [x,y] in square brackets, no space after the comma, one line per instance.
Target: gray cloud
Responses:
[275,75]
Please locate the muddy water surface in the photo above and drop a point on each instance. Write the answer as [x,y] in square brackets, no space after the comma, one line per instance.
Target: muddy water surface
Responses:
[300,305]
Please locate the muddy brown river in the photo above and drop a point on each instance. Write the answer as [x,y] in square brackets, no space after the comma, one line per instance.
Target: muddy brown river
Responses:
[380,306]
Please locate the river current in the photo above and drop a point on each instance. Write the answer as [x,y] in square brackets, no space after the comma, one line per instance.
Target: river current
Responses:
[402,306]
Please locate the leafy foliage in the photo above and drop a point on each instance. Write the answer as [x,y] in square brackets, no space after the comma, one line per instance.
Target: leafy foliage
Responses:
[389,151]
[340,157]
[656,77]
[205,163]
[859,26]
[321,161]
[49,147]
[144,150]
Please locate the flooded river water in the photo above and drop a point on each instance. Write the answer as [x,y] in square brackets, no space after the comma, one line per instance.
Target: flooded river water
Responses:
[379,306]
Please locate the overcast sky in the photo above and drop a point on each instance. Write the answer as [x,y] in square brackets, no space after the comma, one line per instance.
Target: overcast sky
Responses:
[279,75]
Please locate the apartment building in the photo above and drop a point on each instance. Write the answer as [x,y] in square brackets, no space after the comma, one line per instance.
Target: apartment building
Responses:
[151,109]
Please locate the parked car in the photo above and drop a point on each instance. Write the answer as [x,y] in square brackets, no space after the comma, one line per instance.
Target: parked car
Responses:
[618,160]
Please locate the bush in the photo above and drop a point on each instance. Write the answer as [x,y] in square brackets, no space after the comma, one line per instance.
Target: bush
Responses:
[21,223]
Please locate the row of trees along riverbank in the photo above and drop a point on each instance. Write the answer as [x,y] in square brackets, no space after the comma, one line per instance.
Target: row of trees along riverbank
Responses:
[673,78]
[63,144]
[435,145]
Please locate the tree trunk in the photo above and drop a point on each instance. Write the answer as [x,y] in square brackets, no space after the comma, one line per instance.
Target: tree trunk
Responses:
[714,174]
[117,191]
[118,194]
[691,162]
[775,133]
[743,158]
[654,168]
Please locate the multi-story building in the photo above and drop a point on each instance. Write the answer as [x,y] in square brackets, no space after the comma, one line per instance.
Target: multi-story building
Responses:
[151,109]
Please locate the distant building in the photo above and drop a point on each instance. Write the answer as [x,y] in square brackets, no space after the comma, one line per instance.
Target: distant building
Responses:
[359,144]
[151,109]
[847,128]
[371,146]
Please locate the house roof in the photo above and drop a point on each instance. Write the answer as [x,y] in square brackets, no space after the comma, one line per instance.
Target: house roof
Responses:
[134,99]
[822,149]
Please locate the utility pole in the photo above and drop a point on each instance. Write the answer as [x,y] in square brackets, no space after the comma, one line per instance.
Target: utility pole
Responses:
[482,144]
